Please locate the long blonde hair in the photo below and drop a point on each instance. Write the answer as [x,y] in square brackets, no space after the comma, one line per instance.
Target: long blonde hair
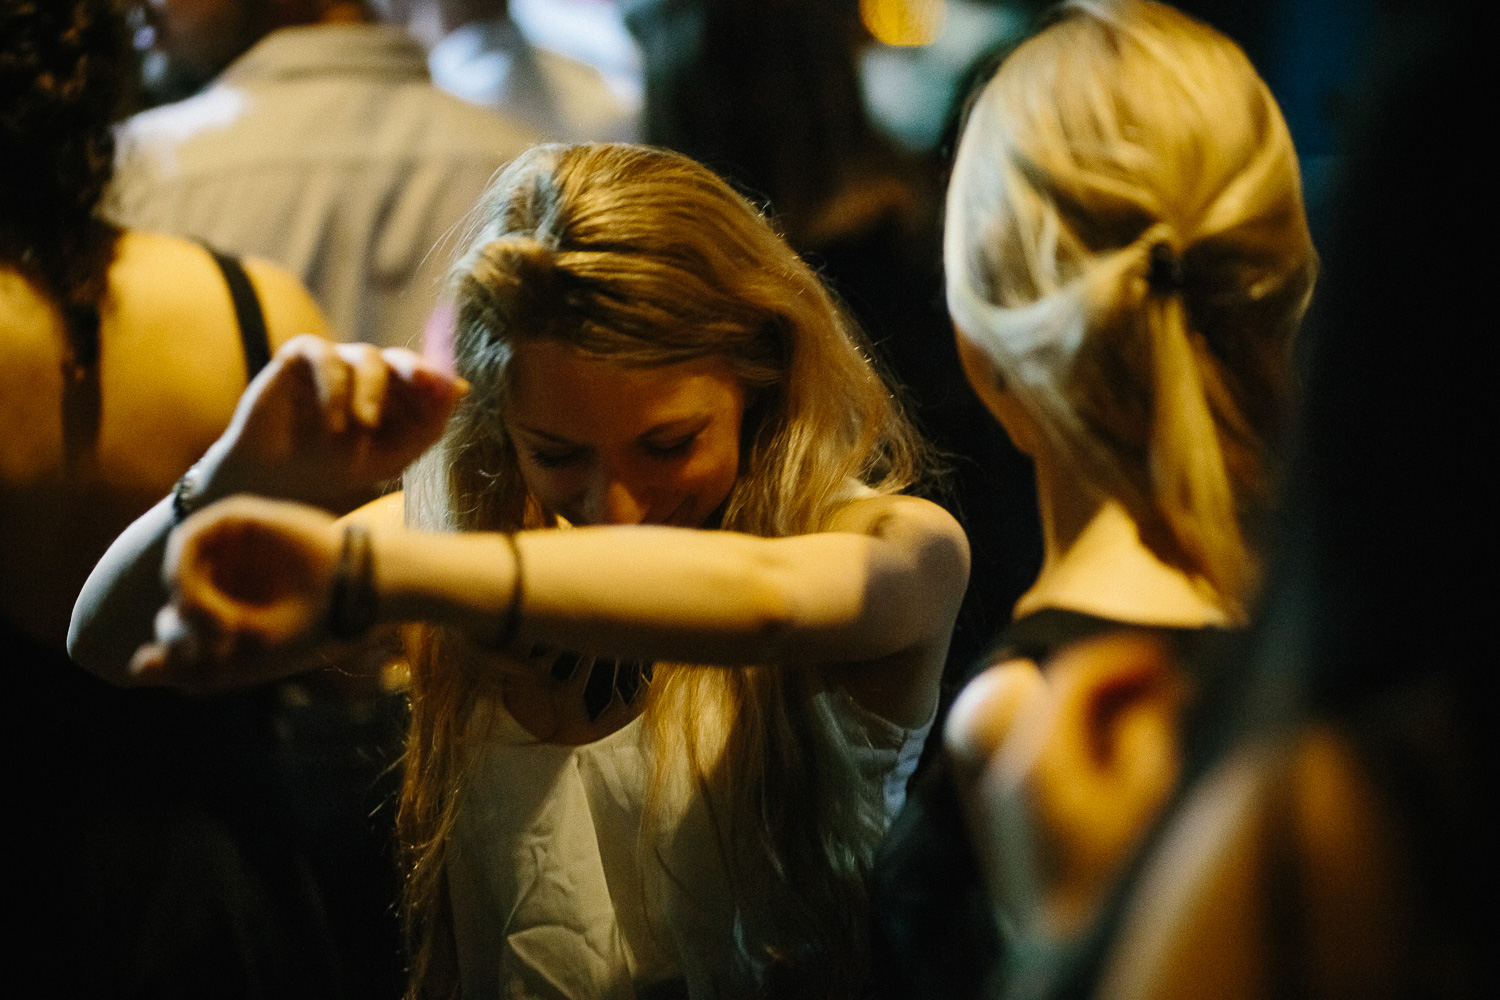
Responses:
[1125,133]
[646,258]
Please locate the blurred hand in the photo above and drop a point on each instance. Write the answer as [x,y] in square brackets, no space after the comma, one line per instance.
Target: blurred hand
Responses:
[250,582]
[324,423]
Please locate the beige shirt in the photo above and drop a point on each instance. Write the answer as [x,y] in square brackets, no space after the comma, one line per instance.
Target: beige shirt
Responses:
[325,149]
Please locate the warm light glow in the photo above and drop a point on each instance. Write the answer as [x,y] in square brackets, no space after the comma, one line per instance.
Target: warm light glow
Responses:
[904,22]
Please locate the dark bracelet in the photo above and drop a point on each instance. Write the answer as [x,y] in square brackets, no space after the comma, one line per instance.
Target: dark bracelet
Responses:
[511,622]
[353,602]
[187,495]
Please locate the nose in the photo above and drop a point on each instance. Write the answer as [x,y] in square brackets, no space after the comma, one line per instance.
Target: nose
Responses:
[613,501]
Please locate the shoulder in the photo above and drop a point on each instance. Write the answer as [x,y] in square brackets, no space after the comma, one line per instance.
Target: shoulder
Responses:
[423,121]
[288,306]
[897,516]
[168,323]
[590,106]
[920,536]
[32,349]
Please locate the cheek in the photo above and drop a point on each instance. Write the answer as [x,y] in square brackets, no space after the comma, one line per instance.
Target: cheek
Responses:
[552,488]
[713,472]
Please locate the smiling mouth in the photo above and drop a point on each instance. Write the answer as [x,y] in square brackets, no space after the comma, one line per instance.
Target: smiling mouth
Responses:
[676,519]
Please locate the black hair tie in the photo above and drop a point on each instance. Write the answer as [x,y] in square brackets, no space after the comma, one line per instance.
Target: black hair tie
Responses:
[1165,273]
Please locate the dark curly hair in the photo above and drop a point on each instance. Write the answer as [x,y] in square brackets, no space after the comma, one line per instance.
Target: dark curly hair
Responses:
[66,68]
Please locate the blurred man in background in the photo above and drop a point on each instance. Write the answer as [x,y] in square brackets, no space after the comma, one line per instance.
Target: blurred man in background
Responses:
[319,143]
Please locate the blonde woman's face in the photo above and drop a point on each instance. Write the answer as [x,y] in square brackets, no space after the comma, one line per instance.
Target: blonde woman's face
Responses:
[602,443]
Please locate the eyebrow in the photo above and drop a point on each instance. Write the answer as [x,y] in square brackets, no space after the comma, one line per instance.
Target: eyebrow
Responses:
[556,438]
[685,425]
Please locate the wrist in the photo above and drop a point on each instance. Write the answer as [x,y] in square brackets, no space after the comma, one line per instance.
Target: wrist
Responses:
[353,599]
[212,477]
[202,484]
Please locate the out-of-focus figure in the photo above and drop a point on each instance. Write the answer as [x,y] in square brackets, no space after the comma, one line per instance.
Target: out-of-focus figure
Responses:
[321,144]
[1127,262]
[154,856]
[1336,843]
[477,51]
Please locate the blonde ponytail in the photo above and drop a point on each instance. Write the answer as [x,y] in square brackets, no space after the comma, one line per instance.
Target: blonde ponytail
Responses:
[1123,127]
[1189,480]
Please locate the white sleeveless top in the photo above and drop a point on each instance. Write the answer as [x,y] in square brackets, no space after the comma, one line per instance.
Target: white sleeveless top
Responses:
[551,897]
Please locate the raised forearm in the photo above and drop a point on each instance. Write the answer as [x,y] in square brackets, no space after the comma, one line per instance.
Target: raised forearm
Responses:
[115,609]
[652,593]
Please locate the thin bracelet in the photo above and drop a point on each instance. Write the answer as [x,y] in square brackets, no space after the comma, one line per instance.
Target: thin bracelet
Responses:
[353,602]
[511,622]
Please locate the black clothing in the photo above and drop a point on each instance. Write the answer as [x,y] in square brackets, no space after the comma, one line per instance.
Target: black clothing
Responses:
[934,929]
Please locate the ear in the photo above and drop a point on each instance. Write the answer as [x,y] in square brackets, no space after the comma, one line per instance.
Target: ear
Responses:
[989,385]
[1090,773]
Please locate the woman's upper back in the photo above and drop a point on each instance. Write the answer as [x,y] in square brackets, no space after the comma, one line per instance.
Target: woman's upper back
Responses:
[87,450]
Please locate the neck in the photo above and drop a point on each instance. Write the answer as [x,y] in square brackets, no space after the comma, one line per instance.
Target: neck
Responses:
[1094,561]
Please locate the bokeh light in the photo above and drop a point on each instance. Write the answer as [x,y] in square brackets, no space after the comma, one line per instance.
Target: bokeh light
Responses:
[904,22]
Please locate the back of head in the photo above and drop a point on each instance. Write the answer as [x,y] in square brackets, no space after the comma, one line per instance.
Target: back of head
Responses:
[1126,241]
[65,68]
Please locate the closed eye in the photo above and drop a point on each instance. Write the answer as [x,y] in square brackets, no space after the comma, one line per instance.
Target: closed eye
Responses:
[670,449]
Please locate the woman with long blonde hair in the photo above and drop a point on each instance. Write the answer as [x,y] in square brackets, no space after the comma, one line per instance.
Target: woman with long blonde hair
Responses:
[1127,261]
[684,633]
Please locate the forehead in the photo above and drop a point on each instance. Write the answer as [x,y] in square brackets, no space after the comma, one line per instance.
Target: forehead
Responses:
[554,387]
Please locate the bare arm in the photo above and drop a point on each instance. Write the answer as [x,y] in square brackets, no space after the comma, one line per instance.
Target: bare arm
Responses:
[887,580]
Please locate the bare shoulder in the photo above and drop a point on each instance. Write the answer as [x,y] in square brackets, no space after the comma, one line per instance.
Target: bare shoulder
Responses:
[156,274]
[905,520]
[923,542]
[289,307]
[171,364]
[32,350]
[921,568]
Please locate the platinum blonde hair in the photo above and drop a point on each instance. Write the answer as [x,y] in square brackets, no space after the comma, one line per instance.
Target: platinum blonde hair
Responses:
[1124,131]
[643,257]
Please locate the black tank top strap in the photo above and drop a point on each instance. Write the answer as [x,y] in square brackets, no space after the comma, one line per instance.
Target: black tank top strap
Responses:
[247,312]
